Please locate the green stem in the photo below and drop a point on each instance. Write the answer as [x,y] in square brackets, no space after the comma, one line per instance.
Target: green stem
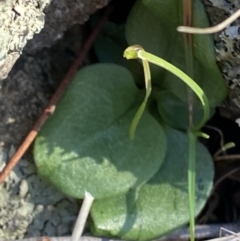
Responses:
[185,78]
[136,119]
[192,181]
[187,21]
[137,51]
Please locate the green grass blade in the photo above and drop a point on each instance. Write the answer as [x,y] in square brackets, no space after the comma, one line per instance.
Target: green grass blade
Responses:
[192,181]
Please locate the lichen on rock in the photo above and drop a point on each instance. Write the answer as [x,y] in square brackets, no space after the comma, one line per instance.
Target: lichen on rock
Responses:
[30,207]
[227,52]
[19,21]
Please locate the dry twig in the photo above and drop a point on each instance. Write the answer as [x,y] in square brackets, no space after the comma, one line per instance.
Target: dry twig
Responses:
[82,217]
[215,29]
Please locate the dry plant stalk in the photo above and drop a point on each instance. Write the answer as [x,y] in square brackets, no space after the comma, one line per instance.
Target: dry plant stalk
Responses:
[215,29]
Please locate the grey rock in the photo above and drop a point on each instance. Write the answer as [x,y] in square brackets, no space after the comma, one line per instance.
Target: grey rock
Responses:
[19,21]
[23,188]
[60,16]
[24,212]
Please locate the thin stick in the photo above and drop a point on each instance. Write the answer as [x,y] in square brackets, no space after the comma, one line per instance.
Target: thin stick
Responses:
[223,177]
[55,98]
[227,231]
[209,30]
[219,132]
[223,149]
[82,217]
[234,236]
[230,157]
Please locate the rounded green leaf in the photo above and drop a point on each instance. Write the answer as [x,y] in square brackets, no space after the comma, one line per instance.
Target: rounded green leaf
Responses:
[85,145]
[153,23]
[160,205]
[175,112]
[109,47]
